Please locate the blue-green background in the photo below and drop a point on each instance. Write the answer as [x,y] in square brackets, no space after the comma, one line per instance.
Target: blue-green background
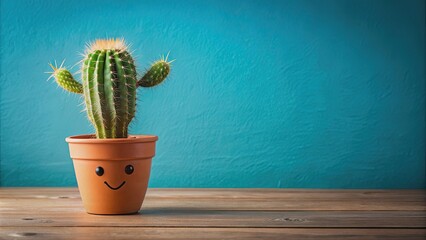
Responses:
[306,94]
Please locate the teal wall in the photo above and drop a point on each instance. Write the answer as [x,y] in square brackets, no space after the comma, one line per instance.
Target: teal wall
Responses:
[306,94]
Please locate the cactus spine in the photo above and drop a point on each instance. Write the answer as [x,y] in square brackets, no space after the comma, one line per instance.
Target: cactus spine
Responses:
[109,85]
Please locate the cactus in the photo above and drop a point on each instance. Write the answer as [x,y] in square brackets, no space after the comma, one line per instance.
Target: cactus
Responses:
[109,83]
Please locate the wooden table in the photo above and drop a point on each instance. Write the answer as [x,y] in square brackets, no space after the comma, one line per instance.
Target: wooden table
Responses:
[57,213]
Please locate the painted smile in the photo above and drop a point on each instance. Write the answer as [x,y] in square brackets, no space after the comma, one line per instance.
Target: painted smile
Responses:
[113,188]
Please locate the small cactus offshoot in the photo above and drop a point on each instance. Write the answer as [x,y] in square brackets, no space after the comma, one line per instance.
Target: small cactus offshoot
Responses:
[109,83]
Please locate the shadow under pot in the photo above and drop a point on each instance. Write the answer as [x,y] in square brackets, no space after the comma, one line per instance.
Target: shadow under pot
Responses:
[112,174]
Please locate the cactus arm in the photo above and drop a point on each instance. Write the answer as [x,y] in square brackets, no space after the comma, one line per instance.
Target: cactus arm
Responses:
[156,74]
[65,80]
[109,93]
[121,96]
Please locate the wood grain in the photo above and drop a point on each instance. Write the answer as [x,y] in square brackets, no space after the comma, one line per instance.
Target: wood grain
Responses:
[57,213]
[241,199]
[213,218]
[94,233]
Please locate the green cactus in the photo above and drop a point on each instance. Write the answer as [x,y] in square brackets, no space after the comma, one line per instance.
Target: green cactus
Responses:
[109,83]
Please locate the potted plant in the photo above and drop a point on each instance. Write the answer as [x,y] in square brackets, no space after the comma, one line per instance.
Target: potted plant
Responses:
[112,167]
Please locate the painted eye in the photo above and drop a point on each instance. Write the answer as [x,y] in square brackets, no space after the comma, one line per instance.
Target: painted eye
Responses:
[99,171]
[129,169]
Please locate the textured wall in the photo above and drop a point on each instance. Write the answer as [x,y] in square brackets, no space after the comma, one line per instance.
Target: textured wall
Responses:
[326,94]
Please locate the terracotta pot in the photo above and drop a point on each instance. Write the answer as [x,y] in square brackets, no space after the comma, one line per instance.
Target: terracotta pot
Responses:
[112,174]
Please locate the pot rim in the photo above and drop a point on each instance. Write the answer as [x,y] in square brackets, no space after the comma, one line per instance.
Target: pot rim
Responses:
[91,138]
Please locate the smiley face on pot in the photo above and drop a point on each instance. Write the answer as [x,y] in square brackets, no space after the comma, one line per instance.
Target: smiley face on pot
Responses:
[129,169]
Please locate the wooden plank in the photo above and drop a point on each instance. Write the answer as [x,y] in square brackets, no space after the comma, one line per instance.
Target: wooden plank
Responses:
[237,199]
[230,204]
[248,193]
[57,213]
[94,233]
[213,218]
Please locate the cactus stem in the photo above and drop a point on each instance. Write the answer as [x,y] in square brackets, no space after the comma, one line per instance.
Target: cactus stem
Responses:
[109,84]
